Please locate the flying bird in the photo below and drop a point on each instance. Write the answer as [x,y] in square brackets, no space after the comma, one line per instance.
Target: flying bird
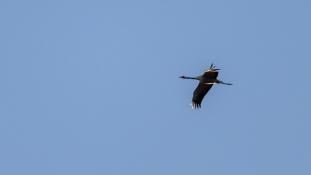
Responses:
[206,81]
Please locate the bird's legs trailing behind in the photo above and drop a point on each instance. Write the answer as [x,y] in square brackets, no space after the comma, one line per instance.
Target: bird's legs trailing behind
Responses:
[221,82]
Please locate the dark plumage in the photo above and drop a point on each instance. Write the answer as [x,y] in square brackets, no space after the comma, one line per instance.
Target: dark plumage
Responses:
[207,80]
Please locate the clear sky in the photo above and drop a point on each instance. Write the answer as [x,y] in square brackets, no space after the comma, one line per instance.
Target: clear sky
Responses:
[91,87]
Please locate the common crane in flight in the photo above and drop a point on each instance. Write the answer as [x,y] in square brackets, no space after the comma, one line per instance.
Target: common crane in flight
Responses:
[206,81]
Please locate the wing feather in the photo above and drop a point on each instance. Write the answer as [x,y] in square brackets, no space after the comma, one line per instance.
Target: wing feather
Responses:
[210,74]
[199,94]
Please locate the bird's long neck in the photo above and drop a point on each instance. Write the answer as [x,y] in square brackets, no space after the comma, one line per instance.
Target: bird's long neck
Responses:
[193,78]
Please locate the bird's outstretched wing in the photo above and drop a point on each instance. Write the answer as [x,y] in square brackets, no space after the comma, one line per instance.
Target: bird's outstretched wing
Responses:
[210,74]
[199,94]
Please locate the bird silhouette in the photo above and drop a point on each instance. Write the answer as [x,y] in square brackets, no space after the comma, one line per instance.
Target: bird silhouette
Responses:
[206,81]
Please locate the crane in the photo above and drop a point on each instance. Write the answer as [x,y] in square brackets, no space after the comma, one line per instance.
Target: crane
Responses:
[206,81]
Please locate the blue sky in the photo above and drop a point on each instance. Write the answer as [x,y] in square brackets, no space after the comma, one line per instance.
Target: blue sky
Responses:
[91,87]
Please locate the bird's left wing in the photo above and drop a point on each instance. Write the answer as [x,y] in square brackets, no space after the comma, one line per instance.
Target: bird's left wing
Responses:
[199,94]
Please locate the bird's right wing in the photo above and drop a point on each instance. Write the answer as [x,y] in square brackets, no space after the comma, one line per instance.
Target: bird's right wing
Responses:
[199,94]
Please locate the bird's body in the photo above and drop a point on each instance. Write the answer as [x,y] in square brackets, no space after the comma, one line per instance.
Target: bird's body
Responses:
[206,81]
